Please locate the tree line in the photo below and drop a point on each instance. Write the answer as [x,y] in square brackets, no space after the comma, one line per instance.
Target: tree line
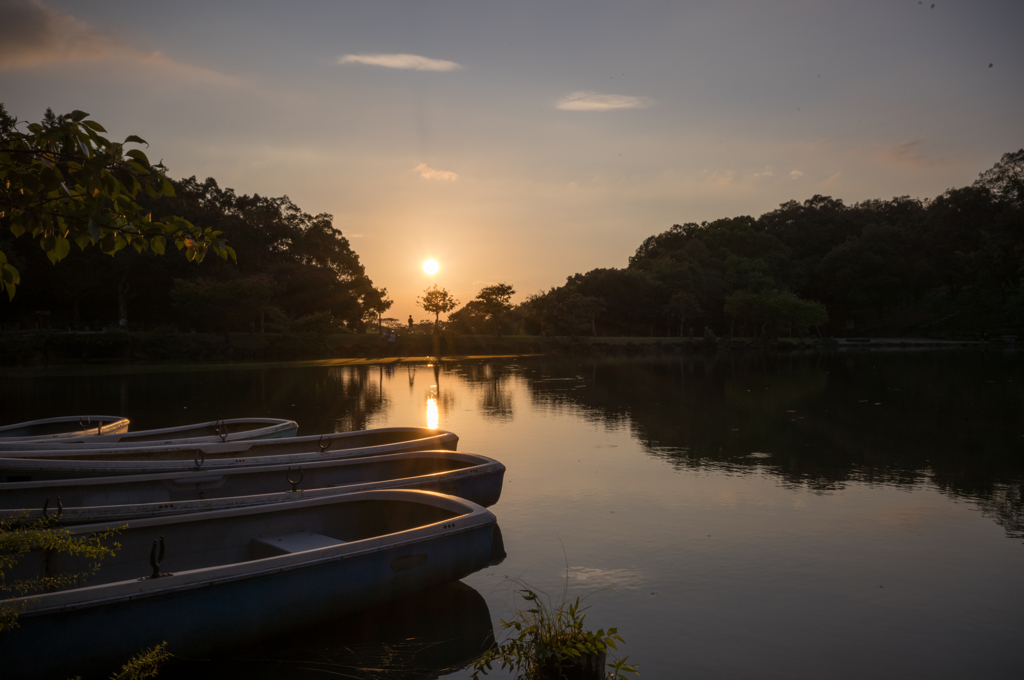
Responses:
[284,270]
[953,264]
[948,265]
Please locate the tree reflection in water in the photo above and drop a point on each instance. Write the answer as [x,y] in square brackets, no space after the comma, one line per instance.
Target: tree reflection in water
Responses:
[816,421]
[492,382]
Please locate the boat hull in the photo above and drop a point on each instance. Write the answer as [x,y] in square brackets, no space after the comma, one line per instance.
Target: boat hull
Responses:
[111,499]
[98,628]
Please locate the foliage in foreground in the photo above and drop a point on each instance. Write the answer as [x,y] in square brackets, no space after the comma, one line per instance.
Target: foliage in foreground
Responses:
[62,182]
[546,639]
[18,539]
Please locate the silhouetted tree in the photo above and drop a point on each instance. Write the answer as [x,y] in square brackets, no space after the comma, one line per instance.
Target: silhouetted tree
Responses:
[437,301]
[495,301]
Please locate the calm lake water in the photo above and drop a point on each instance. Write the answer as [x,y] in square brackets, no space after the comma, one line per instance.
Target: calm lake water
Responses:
[846,516]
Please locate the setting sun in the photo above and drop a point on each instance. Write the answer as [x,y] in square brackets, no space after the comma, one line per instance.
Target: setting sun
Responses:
[431,267]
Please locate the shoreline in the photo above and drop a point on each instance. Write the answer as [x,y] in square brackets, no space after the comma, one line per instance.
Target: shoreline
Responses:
[42,353]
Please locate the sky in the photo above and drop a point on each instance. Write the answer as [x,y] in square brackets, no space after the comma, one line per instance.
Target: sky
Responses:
[522,142]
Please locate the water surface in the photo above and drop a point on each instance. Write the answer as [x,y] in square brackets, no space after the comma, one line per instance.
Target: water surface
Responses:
[845,516]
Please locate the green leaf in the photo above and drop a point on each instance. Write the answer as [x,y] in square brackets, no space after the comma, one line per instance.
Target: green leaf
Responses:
[167,189]
[78,116]
[82,239]
[93,125]
[135,139]
[107,243]
[157,244]
[61,248]
[138,155]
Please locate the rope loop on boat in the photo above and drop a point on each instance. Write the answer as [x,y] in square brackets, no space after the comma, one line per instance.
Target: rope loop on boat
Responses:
[46,505]
[222,430]
[324,447]
[200,458]
[88,421]
[294,482]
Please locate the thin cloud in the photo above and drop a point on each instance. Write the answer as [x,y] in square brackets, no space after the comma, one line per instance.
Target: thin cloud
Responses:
[427,172]
[595,101]
[413,62]
[913,154]
[795,174]
[721,178]
[36,35]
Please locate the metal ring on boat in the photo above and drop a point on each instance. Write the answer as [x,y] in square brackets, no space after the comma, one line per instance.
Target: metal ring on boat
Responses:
[223,435]
[200,458]
[46,505]
[295,483]
[324,447]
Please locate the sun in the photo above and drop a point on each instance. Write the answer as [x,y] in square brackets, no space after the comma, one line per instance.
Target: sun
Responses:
[431,267]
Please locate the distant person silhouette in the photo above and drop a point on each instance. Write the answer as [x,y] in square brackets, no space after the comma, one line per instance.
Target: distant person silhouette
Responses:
[410,322]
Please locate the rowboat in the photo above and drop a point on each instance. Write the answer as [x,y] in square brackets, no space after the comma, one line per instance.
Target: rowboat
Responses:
[113,499]
[53,430]
[75,462]
[233,429]
[212,579]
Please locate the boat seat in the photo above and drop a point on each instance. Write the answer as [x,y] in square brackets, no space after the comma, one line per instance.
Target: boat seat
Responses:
[288,544]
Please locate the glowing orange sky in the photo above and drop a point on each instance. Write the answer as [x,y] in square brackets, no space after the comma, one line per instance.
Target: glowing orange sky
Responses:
[524,142]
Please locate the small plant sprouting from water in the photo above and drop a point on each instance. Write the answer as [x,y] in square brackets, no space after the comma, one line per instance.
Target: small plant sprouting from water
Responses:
[547,640]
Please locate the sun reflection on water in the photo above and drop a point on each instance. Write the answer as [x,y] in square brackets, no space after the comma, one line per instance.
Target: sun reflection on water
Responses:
[432,415]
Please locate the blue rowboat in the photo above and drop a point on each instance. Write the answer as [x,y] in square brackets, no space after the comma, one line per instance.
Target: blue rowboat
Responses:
[232,576]
[49,431]
[113,499]
[25,466]
[233,429]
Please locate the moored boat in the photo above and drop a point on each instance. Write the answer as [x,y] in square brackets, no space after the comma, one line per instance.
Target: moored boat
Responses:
[238,575]
[233,429]
[111,499]
[73,462]
[49,431]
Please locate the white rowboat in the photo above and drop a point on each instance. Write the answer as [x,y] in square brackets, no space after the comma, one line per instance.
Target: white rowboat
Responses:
[49,431]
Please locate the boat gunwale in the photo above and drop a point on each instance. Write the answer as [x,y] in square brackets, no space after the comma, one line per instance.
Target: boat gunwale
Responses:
[185,465]
[473,518]
[84,445]
[278,467]
[209,447]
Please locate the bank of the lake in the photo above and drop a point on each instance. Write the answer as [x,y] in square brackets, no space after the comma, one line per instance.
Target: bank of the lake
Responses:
[44,348]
